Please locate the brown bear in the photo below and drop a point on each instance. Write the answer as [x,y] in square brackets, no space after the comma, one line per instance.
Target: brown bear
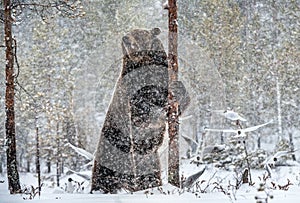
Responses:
[135,122]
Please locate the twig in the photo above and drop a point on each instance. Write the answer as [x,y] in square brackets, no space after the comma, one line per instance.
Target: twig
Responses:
[208,183]
[16,59]
[286,186]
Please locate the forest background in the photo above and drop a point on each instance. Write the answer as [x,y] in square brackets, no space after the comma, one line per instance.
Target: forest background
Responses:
[237,54]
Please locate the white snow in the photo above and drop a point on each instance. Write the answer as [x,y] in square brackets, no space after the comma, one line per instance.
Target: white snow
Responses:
[230,115]
[240,133]
[82,152]
[210,181]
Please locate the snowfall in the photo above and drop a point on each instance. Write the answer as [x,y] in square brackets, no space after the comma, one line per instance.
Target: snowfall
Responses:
[214,185]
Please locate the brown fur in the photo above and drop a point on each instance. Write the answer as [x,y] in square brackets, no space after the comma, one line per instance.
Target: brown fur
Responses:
[134,127]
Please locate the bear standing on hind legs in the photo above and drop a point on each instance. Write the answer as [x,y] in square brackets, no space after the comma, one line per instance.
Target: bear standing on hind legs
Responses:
[135,122]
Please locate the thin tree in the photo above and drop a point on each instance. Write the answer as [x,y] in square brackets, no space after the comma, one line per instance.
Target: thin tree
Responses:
[43,8]
[173,122]
[38,165]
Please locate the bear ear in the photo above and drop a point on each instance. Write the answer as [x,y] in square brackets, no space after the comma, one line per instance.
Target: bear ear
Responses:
[155,31]
[125,39]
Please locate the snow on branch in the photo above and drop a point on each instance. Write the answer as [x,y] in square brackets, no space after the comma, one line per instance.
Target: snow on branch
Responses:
[82,152]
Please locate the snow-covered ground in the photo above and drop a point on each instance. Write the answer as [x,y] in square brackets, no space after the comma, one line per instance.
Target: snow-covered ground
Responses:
[215,185]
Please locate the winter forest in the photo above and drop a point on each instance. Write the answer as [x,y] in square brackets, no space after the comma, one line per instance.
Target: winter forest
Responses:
[62,88]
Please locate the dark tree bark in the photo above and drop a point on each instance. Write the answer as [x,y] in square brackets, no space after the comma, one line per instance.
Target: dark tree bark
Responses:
[38,165]
[1,162]
[48,165]
[28,166]
[12,171]
[173,166]
[292,146]
[58,156]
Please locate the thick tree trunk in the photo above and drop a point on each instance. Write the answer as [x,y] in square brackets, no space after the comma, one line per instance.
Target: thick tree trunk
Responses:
[173,124]
[12,171]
